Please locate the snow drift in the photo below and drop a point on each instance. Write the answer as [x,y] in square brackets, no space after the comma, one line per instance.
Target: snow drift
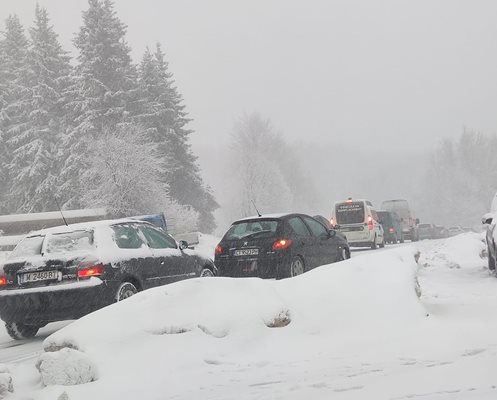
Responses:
[180,328]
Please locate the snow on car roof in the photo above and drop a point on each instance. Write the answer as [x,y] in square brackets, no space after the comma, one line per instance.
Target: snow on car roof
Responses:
[83,226]
[264,216]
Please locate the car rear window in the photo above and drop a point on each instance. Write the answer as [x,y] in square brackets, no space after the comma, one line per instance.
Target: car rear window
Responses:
[30,246]
[385,218]
[69,241]
[252,229]
[350,213]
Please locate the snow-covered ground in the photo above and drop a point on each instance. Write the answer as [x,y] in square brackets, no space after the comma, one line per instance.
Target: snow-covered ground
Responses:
[353,330]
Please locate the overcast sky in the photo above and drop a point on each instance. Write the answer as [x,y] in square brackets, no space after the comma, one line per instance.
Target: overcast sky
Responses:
[399,72]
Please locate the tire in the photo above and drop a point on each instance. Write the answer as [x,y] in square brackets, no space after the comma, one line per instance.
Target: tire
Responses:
[206,273]
[20,331]
[343,254]
[402,238]
[296,267]
[491,260]
[373,244]
[382,244]
[126,290]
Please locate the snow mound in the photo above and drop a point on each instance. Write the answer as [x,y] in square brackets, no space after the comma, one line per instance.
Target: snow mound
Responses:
[462,251]
[6,383]
[192,324]
[66,367]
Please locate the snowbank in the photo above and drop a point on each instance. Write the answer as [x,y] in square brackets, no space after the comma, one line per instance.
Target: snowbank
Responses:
[66,367]
[6,384]
[462,251]
[163,338]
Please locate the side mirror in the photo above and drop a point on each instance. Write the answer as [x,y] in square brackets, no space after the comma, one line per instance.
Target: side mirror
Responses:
[487,219]
[183,245]
[336,227]
[332,233]
[417,221]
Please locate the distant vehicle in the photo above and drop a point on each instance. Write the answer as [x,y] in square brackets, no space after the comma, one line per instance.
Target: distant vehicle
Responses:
[441,232]
[426,231]
[391,226]
[456,230]
[359,222]
[66,272]
[278,246]
[490,221]
[409,222]
[325,221]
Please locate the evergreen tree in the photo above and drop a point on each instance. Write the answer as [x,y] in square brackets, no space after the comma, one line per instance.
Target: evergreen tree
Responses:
[165,119]
[37,147]
[105,89]
[15,95]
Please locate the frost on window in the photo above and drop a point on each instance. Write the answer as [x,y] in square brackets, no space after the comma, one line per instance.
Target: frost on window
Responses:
[70,241]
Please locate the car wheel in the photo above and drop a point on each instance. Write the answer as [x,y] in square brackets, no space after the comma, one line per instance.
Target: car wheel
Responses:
[206,273]
[19,331]
[373,244]
[343,254]
[126,290]
[491,260]
[382,244]
[294,268]
[402,239]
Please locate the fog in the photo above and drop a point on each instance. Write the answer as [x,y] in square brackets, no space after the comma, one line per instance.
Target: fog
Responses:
[363,91]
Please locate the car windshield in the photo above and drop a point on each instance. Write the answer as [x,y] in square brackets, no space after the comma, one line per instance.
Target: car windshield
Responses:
[350,213]
[252,229]
[385,218]
[30,246]
[69,241]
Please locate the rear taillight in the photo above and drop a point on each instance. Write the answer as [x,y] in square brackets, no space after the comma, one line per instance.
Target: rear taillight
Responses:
[281,244]
[410,221]
[332,221]
[391,230]
[218,251]
[87,270]
[3,280]
[370,223]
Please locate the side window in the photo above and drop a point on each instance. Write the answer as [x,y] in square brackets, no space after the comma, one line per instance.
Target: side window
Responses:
[316,228]
[298,227]
[126,237]
[156,239]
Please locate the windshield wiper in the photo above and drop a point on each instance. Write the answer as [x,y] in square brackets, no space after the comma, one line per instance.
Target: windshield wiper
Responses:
[256,233]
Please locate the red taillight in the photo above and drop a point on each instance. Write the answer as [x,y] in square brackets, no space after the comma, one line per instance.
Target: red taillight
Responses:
[410,221]
[3,280]
[219,250]
[87,270]
[370,223]
[391,230]
[281,244]
[332,222]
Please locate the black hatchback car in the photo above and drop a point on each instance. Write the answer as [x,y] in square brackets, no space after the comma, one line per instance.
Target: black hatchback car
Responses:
[278,246]
[66,272]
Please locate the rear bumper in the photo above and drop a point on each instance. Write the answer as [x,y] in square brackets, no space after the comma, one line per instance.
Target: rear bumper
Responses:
[39,306]
[261,268]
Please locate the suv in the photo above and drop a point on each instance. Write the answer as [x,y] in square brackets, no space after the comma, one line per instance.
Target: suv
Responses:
[359,222]
[391,226]
[67,272]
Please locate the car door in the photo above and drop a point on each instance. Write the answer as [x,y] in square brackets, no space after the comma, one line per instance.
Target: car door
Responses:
[172,263]
[303,243]
[134,257]
[326,246]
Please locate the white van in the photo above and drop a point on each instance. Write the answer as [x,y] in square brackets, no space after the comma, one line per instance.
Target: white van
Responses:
[358,221]
[408,222]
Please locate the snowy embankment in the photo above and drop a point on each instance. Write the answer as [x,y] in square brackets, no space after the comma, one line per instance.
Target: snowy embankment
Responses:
[209,338]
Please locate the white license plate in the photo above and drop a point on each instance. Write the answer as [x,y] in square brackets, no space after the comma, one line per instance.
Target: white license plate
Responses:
[40,276]
[246,252]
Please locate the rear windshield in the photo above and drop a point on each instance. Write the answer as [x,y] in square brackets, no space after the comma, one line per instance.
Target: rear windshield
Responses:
[30,246]
[350,213]
[252,229]
[69,241]
[385,218]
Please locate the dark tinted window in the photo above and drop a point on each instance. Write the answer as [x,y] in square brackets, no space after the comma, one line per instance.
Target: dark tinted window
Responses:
[316,228]
[350,213]
[252,229]
[69,241]
[126,237]
[385,218]
[30,246]
[298,227]
[156,239]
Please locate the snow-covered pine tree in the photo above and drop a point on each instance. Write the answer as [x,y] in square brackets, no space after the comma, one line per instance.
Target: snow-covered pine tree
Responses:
[165,118]
[36,149]
[14,76]
[104,93]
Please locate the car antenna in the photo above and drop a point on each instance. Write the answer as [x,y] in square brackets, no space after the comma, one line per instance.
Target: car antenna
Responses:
[60,210]
[258,213]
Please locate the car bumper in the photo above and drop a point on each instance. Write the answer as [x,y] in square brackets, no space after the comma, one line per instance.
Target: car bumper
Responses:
[39,306]
[260,268]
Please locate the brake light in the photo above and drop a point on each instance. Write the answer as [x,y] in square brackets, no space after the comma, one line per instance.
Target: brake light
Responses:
[410,221]
[281,244]
[87,270]
[332,222]
[370,223]
[391,230]
[218,251]
[3,280]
